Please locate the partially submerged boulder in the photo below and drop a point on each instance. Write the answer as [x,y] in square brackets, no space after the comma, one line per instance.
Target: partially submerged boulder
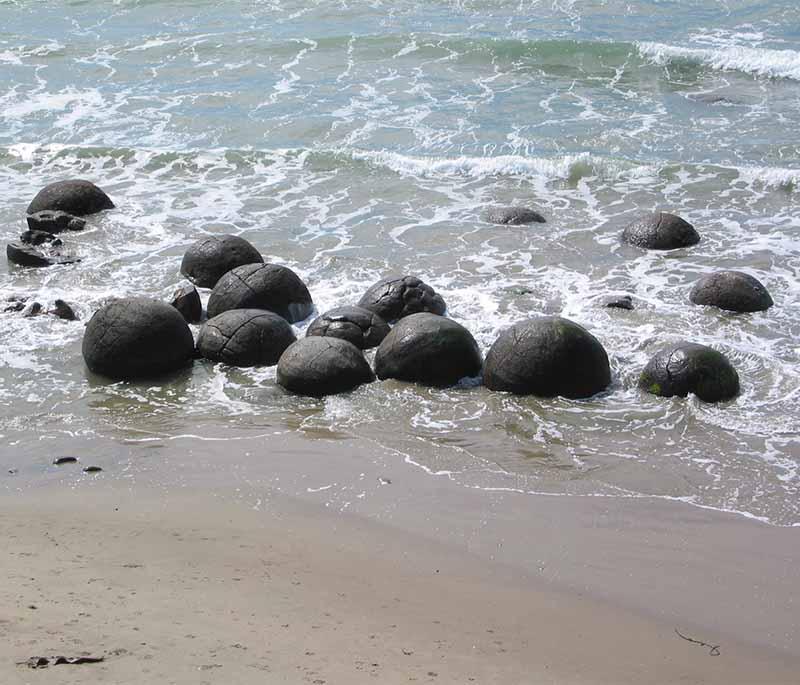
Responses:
[63,311]
[136,337]
[357,325]
[209,259]
[75,197]
[547,356]
[54,221]
[319,366]
[512,216]
[186,300]
[660,231]
[734,291]
[262,286]
[36,237]
[429,349]
[245,337]
[27,255]
[620,302]
[686,367]
[394,297]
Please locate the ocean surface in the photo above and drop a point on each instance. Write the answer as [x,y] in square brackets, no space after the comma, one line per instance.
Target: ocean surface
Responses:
[352,140]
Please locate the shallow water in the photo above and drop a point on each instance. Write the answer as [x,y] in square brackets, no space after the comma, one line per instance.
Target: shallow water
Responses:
[357,139]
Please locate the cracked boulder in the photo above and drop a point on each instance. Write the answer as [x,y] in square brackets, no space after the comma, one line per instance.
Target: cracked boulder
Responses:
[512,216]
[688,367]
[734,291]
[319,366]
[75,197]
[660,231]
[136,337]
[262,286]
[394,297]
[54,222]
[428,349]
[547,356]
[209,259]
[245,337]
[357,325]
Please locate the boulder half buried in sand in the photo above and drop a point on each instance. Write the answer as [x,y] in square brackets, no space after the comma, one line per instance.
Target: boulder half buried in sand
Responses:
[660,231]
[319,366]
[245,337]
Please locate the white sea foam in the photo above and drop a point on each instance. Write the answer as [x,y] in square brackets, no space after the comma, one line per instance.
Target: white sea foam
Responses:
[749,60]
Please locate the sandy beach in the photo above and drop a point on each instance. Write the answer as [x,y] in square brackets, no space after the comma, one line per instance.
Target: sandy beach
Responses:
[198,585]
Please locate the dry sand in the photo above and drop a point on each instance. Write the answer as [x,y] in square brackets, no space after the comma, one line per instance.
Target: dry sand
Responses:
[198,588]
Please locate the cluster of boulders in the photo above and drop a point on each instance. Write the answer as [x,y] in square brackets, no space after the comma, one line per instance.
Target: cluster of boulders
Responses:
[252,305]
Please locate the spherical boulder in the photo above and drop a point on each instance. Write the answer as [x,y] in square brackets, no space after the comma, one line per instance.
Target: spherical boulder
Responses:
[547,356]
[512,216]
[688,367]
[394,297]
[209,259]
[731,290]
[74,197]
[322,365]
[429,349]
[262,286]
[245,337]
[136,337]
[363,328]
[660,231]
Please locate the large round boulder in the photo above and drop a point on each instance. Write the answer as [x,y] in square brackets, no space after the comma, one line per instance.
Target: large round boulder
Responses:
[429,349]
[547,356]
[731,290]
[394,297]
[660,231]
[262,286]
[209,259]
[245,337]
[322,365]
[74,197]
[357,325]
[512,216]
[136,337]
[688,367]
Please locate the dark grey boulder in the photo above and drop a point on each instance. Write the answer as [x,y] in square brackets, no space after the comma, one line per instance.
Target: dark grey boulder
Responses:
[209,259]
[512,216]
[621,302]
[186,300]
[262,286]
[357,325]
[74,197]
[136,337]
[428,349]
[33,309]
[63,311]
[319,366]
[660,231]
[547,356]
[36,237]
[688,367]
[245,337]
[54,222]
[27,255]
[394,297]
[731,290]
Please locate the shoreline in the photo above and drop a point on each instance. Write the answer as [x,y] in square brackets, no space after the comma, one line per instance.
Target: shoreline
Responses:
[576,590]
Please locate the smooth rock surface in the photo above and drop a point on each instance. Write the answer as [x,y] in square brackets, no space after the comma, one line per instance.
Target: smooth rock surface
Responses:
[547,356]
[209,259]
[245,337]
[734,291]
[136,337]
[686,367]
[512,216]
[357,325]
[660,231]
[262,286]
[394,297]
[75,196]
[322,365]
[429,349]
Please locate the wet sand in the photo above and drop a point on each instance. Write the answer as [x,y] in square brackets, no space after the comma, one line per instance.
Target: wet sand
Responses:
[423,581]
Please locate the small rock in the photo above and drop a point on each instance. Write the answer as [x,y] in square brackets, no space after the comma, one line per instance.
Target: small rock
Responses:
[36,237]
[92,469]
[512,216]
[624,302]
[186,300]
[63,311]
[59,461]
[54,222]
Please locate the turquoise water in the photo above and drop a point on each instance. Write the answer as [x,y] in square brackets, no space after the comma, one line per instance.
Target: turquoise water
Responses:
[351,140]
